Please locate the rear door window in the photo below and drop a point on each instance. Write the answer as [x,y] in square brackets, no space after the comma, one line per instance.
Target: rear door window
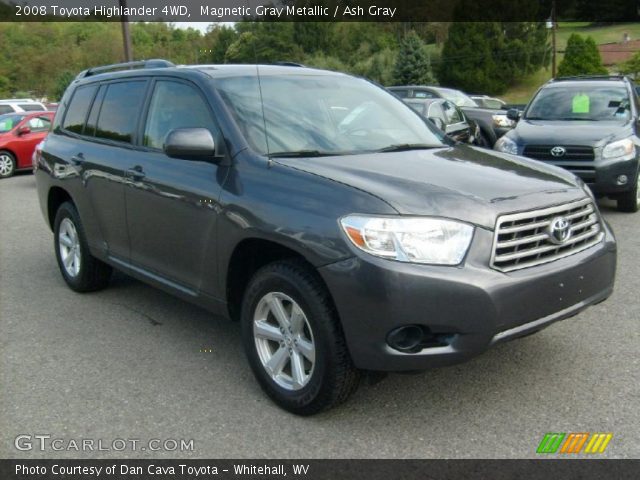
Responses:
[6,109]
[118,115]
[78,108]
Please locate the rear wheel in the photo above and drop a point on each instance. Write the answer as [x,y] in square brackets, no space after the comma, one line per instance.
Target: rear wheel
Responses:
[630,201]
[294,341]
[82,271]
[7,164]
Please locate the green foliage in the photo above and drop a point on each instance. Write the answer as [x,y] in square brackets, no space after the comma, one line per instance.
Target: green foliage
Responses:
[581,57]
[487,57]
[630,67]
[413,66]
[62,82]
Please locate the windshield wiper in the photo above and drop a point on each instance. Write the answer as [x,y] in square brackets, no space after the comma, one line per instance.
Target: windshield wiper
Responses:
[403,147]
[303,154]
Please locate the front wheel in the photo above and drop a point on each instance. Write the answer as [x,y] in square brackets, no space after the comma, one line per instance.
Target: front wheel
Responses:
[294,341]
[82,271]
[630,201]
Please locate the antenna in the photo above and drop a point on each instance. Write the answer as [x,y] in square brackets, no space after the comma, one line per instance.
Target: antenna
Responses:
[264,119]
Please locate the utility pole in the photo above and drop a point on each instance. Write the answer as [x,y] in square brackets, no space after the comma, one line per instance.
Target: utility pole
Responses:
[126,34]
[554,26]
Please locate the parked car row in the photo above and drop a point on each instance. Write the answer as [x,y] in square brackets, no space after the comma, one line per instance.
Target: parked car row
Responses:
[492,123]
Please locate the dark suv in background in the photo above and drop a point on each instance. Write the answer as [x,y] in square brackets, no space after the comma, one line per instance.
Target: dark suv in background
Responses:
[492,123]
[343,231]
[588,125]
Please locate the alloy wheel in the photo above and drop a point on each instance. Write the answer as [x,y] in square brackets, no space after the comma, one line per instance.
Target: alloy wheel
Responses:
[284,340]
[6,165]
[69,246]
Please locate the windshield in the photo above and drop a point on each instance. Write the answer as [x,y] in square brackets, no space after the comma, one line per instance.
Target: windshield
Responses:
[321,114]
[8,122]
[457,97]
[605,103]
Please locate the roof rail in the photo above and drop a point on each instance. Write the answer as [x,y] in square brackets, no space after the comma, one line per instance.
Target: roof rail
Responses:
[590,77]
[154,63]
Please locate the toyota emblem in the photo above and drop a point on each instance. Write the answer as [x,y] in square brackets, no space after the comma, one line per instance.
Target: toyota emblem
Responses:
[558,151]
[559,230]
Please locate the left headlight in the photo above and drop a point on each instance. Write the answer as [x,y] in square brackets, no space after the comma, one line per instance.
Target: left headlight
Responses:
[415,239]
[506,145]
[623,149]
[502,121]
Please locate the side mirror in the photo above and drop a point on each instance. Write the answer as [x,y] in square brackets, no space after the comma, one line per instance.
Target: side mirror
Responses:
[437,121]
[24,130]
[190,144]
[513,114]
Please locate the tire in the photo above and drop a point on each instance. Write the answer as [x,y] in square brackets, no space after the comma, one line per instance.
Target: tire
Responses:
[630,201]
[314,343]
[84,272]
[7,164]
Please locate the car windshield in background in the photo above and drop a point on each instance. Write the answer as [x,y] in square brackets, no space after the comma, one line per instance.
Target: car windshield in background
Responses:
[457,97]
[581,103]
[7,122]
[317,115]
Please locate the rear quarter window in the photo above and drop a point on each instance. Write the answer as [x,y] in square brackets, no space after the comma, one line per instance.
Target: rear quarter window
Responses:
[78,108]
[6,109]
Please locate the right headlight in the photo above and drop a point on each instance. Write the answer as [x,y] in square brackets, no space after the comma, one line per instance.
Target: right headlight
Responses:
[412,239]
[506,145]
[622,149]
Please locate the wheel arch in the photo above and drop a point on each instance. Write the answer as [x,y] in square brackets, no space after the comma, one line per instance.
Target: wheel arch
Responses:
[248,256]
[56,197]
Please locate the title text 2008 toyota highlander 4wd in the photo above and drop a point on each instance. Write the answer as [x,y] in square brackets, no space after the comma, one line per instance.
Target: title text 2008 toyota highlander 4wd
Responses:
[343,231]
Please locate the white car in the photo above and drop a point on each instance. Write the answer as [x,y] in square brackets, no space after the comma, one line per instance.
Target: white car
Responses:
[15,105]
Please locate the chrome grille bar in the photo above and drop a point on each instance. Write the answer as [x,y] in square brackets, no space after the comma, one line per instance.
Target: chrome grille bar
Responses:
[523,239]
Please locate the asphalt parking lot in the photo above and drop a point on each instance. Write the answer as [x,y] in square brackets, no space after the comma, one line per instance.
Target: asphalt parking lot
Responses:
[132,362]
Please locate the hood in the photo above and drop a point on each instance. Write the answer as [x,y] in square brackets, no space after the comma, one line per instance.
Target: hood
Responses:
[591,134]
[462,182]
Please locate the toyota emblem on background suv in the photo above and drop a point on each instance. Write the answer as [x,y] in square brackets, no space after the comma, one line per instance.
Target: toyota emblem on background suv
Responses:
[558,151]
[559,230]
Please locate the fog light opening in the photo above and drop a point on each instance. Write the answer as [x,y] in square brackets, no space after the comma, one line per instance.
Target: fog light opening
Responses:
[622,180]
[406,339]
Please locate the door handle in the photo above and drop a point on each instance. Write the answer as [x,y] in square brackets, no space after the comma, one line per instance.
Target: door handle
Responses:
[135,173]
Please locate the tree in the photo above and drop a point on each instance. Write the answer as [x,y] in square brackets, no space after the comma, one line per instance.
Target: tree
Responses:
[62,82]
[631,66]
[487,57]
[413,66]
[581,57]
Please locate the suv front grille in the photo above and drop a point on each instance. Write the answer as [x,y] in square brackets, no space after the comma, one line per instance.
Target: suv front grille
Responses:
[524,239]
[572,153]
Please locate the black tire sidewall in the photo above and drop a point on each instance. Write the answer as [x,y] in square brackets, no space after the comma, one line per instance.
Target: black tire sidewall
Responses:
[13,162]
[270,280]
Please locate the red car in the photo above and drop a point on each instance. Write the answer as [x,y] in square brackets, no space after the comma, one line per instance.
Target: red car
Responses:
[19,135]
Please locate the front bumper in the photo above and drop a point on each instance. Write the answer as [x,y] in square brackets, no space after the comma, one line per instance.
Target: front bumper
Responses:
[472,306]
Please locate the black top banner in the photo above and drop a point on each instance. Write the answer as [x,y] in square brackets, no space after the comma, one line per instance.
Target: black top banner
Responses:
[319,10]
